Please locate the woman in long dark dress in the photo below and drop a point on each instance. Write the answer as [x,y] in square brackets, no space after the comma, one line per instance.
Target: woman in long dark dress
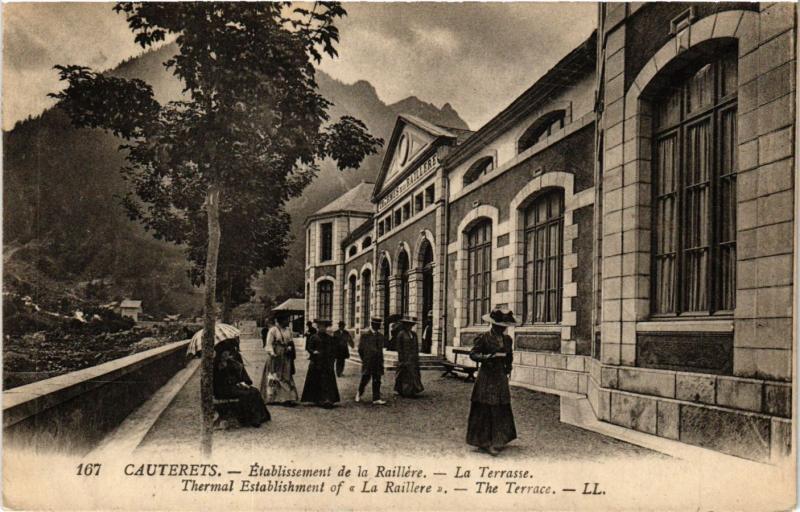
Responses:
[407,380]
[320,387]
[232,381]
[491,422]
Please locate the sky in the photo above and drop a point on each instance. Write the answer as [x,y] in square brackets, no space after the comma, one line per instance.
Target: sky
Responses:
[476,56]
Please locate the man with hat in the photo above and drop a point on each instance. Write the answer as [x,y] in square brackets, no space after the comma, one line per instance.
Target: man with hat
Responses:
[344,340]
[370,349]
[491,422]
[320,387]
[427,334]
[407,381]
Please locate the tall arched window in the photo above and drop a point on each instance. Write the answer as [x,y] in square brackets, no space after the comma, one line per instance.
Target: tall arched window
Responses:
[352,302]
[366,292]
[402,271]
[478,169]
[325,300]
[385,300]
[479,271]
[694,190]
[544,228]
[540,129]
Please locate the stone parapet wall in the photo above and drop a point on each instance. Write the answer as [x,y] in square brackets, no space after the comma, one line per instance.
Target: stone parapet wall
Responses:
[71,413]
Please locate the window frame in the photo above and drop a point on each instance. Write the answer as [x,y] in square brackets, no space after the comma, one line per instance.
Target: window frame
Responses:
[478,243]
[542,126]
[366,299]
[430,195]
[534,229]
[325,241]
[325,308]
[352,283]
[479,167]
[723,103]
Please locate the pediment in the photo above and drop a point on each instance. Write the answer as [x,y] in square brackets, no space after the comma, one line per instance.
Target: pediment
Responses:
[411,137]
[411,142]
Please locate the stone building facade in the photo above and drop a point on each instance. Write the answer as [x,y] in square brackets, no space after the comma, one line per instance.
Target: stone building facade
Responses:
[634,208]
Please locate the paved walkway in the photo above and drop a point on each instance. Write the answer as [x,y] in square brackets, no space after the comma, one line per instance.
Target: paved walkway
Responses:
[433,424]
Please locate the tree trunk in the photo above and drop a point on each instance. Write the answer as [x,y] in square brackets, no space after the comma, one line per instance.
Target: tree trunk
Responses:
[207,369]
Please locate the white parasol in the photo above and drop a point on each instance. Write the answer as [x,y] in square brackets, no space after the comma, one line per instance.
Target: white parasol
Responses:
[222,332]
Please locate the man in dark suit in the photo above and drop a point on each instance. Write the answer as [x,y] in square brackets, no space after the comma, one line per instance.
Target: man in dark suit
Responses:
[343,343]
[370,349]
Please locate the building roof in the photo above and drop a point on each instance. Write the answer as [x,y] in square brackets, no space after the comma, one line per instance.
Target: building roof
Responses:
[574,66]
[291,305]
[360,230]
[357,199]
[128,303]
[462,134]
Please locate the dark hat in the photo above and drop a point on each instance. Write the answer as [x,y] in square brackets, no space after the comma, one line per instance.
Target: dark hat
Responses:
[341,323]
[376,320]
[501,317]
[394,318]
[322,321]
[408,319]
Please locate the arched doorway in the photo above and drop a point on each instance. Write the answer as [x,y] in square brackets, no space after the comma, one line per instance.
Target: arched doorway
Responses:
[402,273]
[426,264]
[384,276]
[366,297]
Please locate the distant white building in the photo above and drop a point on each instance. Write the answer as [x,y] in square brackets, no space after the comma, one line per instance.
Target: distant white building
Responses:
[131,309]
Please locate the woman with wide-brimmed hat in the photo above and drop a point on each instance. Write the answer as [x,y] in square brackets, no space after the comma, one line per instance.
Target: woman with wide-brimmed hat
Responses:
[320,387]
[277,381]
[407,381]
[491,422]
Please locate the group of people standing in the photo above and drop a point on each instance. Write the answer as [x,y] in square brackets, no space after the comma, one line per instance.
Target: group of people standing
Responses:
[327,354]
[491,422]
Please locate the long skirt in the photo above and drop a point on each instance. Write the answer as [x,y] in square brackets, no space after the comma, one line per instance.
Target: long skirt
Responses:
[251,409]
[490,425]
[320,386]
[407,381]
[280,387]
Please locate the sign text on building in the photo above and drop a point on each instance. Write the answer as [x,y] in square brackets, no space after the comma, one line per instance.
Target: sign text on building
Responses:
[421,172]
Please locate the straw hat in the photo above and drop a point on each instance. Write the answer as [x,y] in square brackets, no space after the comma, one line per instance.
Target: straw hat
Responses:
[500,317]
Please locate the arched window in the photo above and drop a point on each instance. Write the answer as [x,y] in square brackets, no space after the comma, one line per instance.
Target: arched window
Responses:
[325,300]
[402,271]
[366,244]
[541,128]
[478,169]
[352,251]
[694,190]
[479,271]
[366,292]
[544,228]
[385,299]
[352,303]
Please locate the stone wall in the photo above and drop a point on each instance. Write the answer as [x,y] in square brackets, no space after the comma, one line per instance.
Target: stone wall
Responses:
[71,413]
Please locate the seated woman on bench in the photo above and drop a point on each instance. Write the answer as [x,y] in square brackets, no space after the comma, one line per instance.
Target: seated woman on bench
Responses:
[231,381]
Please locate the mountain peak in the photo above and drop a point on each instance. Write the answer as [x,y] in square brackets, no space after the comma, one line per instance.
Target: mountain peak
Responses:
[445,116]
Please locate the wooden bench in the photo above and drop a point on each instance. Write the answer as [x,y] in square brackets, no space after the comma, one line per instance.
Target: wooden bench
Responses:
[455,366]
